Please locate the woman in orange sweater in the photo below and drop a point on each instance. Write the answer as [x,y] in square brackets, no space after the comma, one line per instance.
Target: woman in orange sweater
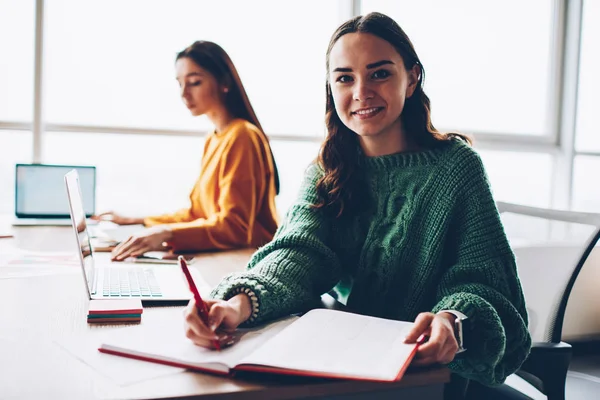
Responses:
[233,200]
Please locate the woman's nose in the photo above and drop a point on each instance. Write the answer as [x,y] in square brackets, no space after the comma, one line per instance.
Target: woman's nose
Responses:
[362,91]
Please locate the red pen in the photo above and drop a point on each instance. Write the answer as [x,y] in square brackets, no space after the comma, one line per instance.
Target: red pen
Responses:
[200,304]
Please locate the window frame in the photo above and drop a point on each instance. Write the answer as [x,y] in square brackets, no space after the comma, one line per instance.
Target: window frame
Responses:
[560,140]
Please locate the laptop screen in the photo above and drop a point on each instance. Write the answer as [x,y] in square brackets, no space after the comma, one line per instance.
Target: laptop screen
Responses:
[40,193]
[78,221]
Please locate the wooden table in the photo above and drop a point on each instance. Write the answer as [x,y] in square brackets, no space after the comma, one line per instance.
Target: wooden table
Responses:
[39,312]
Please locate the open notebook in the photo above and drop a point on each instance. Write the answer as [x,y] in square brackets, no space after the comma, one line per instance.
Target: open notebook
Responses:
[321,343]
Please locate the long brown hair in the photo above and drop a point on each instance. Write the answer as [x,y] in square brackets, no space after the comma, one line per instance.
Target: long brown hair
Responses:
[340,186]
[211,57]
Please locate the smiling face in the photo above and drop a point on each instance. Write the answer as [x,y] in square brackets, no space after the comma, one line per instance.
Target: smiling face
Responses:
[200,91]
[370,84]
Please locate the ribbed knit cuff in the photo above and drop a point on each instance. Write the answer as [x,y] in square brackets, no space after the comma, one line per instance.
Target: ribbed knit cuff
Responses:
[233,285]
[253,301]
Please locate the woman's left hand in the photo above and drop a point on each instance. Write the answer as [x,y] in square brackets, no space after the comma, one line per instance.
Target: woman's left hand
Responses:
[441,346]
[147,240]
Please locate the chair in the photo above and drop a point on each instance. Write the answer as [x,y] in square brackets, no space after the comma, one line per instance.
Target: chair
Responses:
[551,247]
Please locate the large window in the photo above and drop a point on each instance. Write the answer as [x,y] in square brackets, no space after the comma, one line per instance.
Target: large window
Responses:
[17,31]
[15,147]
[107,72]
[487,63]
[111,63]
[588,138]
[586,192]
[136,174]
[520,177]
[292,160]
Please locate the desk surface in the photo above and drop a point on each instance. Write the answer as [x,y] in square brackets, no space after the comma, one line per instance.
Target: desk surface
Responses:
[40,311]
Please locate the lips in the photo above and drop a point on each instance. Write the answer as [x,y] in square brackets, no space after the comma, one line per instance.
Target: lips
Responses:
[367,112]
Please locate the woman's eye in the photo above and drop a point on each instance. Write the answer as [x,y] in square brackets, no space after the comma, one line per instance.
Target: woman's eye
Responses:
[343,79]
[194,83]
[381,74]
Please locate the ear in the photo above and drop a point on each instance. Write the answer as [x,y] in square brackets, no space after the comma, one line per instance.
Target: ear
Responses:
[413,80]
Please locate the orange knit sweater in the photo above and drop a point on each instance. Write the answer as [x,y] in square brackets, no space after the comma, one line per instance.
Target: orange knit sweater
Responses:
[233,200]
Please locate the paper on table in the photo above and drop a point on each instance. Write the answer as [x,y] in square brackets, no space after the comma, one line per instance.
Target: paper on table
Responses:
[122,371]
[21,264]
[20,257]
[170,344]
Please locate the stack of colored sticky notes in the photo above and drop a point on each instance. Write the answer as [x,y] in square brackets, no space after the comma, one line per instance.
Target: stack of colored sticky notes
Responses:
[115,310]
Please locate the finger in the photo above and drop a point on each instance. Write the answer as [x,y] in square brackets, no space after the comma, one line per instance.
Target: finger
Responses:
[224,341]
[199,340]
[216,315]
[137,251]
[106,216]
[120,247]
[437,339]
[192,334]
[422,323]
[449,350]
[128,248]
[444,344]
[195,324]
[448,356]
[122,254]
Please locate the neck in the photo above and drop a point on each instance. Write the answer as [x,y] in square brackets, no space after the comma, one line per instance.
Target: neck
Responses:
[393,140]
[220,118]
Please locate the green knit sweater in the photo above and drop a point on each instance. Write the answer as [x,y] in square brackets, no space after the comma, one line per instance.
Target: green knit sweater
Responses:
[430,239]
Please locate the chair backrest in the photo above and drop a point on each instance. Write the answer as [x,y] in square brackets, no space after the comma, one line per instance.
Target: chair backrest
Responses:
[551,247]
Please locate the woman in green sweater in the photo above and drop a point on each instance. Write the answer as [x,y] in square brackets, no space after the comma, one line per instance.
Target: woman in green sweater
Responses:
[396,214]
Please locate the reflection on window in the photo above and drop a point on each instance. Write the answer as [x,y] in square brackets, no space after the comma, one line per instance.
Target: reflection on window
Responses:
[109,74]
[16,63]
[587,138]
[522,178]
[486,63]
[16,147]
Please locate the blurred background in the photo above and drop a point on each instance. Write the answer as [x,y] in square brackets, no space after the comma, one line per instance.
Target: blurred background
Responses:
[92,83]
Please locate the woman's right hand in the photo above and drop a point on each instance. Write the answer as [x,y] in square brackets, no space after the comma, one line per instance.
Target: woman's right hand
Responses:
[223,317]
[117,219]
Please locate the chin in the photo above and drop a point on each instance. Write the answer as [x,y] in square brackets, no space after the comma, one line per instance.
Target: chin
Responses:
[365,130]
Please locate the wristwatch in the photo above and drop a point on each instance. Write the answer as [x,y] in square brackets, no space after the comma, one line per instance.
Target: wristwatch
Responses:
[460,328]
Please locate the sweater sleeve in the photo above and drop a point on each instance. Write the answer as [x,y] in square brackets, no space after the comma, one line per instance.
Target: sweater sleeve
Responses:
[183,215]
[241,182]
[289,274]
[483,283]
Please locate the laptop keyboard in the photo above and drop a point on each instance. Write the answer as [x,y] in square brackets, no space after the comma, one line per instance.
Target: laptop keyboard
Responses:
[130,282]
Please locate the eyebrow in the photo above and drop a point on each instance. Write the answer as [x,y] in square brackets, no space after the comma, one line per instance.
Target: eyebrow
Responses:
[369,66]
[190,74]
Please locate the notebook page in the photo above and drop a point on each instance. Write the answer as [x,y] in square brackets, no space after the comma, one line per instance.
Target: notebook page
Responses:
[338,343]
[170,344]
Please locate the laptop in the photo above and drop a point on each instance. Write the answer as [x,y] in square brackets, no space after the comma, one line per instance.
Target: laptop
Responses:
[112,280]
[40,197]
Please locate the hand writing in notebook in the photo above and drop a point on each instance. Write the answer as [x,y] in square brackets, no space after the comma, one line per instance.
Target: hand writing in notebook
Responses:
[440,346]
[223,318]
